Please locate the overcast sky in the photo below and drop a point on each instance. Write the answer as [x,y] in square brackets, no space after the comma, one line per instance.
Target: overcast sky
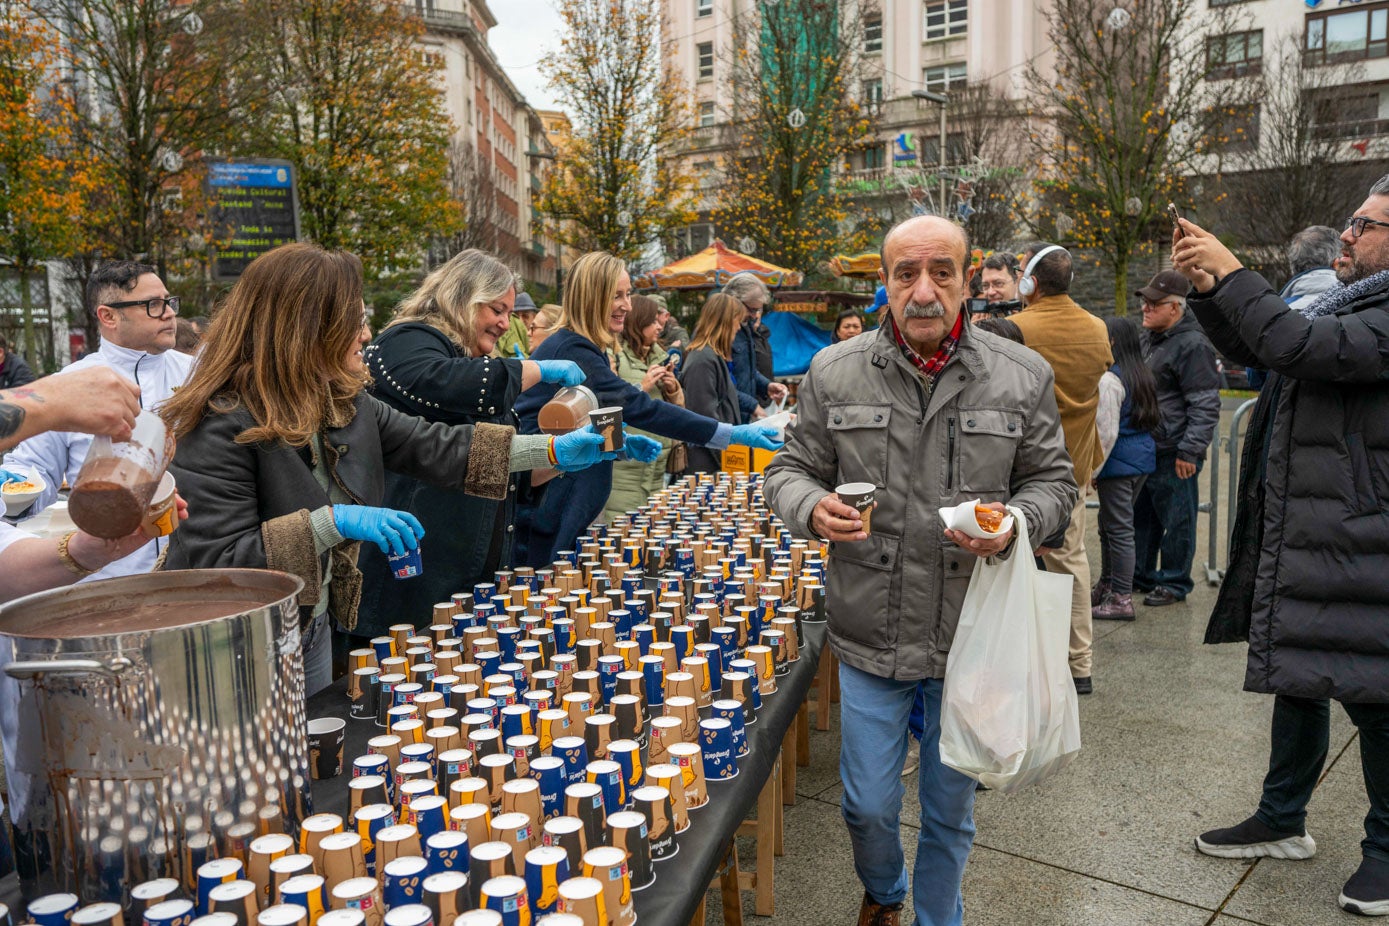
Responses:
[526,31]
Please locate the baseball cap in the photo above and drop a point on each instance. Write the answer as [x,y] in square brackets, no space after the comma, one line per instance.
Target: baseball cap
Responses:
[879,300]
[1164,285]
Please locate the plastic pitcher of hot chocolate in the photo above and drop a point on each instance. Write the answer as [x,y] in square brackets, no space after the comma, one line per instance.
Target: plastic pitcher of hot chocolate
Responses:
[567,411]
[118,481]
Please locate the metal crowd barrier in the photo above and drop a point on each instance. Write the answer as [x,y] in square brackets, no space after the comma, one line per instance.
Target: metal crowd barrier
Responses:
[1230,444]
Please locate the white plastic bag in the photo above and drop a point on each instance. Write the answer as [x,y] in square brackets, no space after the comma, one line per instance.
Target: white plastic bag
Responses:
[1009,715]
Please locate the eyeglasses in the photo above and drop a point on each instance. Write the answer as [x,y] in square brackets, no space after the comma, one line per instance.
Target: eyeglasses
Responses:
[154,308]
[1356,224]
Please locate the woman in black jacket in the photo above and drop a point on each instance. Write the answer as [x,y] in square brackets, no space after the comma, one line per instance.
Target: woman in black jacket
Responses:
[282,455]
[597,298]
[706,374]
[433,361]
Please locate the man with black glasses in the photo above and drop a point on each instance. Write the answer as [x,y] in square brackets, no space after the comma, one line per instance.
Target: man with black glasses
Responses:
[136,317]
[1315,608]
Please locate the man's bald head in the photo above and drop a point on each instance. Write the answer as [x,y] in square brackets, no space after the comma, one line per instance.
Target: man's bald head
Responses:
[922,227]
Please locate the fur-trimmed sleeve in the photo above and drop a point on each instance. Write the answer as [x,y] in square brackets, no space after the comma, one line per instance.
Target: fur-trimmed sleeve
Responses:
[289,547]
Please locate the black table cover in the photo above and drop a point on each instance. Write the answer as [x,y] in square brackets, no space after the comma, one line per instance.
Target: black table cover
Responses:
[680,882]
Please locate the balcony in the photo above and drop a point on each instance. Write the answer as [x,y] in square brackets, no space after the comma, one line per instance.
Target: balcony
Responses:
[1372,128]
[443,22]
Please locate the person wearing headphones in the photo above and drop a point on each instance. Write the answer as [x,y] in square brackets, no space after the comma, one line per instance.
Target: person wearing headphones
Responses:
[1076,344]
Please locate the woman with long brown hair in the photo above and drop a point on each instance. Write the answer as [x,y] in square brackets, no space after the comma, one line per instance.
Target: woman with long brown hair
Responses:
[706,374]
[597,299]
[433,360]
[282,454]
[641,361]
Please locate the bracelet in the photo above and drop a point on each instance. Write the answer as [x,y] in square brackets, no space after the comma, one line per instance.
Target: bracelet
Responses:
[550,450]
[73,565]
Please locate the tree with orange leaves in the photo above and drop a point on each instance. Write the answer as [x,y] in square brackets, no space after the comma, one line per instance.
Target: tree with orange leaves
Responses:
[346,92]
[1136,106]
[611,189]
[793,121]
[45,180]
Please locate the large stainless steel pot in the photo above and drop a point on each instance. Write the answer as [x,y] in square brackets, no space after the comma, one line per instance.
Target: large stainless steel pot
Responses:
[150,722]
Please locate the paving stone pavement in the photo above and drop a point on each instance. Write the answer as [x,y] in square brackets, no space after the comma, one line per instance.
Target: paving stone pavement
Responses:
[1172,747]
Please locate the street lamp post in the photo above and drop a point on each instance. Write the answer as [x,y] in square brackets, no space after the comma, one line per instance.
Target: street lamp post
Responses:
[941,100]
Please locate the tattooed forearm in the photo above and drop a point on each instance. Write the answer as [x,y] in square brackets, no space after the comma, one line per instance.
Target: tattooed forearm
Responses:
[11,419]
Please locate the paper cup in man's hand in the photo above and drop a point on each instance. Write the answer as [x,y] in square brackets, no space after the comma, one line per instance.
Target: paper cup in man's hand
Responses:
[608,422]
[859,495]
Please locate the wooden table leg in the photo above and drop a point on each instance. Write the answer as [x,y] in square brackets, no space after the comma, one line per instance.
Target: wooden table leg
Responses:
[824,688]
[768,805]
[729,889]
[780,806]
[803,734]
[698,918]
[789,752]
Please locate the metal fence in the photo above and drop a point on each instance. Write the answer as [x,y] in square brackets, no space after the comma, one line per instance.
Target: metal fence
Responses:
[1230,445]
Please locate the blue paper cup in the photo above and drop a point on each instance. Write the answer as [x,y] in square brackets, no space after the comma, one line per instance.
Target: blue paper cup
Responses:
[547,867]
[574,751]
[447,851]
[550,772]
[507,895]
[407,565]
[732,711]
[57,909]
[716,744]
[627,754]
[401,880]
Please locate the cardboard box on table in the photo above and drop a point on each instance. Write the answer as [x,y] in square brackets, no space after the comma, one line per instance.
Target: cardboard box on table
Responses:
[740,459]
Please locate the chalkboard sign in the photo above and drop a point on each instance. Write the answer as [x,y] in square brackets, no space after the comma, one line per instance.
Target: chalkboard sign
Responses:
[255,207]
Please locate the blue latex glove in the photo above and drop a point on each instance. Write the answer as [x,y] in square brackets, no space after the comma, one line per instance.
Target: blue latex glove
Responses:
[7,476]
[639,447]
[761,436]
[580,449]
[395,532]
[560,372]
[520,354]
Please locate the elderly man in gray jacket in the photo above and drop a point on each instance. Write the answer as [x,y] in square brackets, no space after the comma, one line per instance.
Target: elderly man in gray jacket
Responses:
[934,412]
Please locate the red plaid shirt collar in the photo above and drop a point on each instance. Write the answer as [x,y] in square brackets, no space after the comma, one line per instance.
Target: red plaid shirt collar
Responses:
[932,366]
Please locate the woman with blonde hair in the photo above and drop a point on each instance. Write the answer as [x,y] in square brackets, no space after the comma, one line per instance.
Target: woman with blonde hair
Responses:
[641,360]
[545,323]
[597,299]
[282,454]
[706,373]
[433,361]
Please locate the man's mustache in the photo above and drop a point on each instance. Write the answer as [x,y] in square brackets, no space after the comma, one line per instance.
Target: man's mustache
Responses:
[923,310]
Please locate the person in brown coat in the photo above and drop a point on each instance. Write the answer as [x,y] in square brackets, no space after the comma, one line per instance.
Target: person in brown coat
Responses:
[1076,344]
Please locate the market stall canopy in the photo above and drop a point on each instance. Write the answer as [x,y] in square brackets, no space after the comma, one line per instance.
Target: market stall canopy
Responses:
[713,267]
[862,266]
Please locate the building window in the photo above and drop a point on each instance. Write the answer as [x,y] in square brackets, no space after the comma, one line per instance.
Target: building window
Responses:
[1345,112]
[706,115]
[873,92]
[943,77]
[1237,54]
[1237,130]
[946,18]
[704,8]
[1350,36]
[875,157]
[705,52]
[956,148]
[872,34]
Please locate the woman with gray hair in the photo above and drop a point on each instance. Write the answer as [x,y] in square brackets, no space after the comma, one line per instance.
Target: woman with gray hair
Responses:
[432,361]
[752,349]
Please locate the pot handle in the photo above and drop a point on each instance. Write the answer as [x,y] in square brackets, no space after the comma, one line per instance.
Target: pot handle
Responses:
[33,668]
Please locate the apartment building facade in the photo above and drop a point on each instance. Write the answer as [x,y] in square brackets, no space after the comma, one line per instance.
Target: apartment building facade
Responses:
[493,119]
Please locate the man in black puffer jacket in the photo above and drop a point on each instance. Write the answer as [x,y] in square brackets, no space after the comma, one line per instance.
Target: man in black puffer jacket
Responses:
[1319,628]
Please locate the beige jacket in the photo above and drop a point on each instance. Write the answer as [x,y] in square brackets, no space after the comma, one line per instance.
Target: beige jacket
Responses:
[990,431]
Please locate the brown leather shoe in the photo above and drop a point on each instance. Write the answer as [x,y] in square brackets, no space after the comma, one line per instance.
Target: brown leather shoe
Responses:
[1099,592]
[876,914]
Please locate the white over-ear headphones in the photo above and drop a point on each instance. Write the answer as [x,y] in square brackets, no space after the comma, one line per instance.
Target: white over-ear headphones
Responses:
[1028,284]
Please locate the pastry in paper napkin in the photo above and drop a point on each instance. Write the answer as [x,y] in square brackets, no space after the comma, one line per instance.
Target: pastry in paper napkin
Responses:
[961,518]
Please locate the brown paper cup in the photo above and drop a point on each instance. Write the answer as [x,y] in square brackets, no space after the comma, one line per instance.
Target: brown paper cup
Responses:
[608,422]
[859,495]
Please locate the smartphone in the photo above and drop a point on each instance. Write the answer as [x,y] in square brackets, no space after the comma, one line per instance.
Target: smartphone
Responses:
[1175,215]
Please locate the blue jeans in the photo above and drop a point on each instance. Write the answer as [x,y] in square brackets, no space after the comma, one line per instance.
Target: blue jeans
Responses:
[873,716]
[1164,520]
